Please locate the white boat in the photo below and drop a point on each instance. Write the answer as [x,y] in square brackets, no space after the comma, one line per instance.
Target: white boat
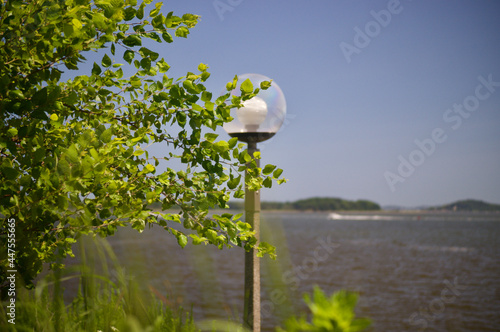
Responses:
[337,216]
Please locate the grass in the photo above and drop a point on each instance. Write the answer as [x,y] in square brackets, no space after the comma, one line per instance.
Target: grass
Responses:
[107,300]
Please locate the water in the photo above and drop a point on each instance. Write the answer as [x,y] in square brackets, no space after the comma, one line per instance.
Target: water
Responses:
[431,272]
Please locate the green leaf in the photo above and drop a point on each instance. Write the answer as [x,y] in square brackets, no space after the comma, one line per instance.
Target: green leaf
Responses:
[182,239]
[76,23]
[181,118]
[40,97]
[157,21]
[268,169]
[96,70]
[266,248]
[106,61]
[69,29]
[119,73]
[162,66]
[146,52]
[39,155]
[106,136]
[150,168]
[173,217]
[128,56]
[182,32]
[140,12]
[265,85]
[167,37]
[63,167]
[9,172]
[129,13]
[211,137]
[234,182]
[62,203]
[132,40]
[163,95]
[16,94]
[212,236]
[221,146]
[247,86]
[205,75]
[244,157]
[268,183]
[243,226]
[72,154]
[206,96]
[146,63]
[190,87]
[12,132]
[202,67]
[232,142]
[198,240]
[94,153]
[277,173]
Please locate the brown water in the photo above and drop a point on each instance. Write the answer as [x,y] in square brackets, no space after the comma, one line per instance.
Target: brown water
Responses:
[432,272]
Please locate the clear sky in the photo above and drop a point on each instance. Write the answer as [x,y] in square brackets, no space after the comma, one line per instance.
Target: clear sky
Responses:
[392,101]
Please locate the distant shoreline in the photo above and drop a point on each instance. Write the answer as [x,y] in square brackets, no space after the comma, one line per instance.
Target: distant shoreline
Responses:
[338,205]
[377,212]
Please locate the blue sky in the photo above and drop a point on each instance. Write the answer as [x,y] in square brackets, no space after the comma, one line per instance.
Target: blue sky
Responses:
[357,103]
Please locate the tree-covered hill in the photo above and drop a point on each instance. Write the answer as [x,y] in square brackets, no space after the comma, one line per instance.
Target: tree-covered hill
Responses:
[316,204]
[468,205]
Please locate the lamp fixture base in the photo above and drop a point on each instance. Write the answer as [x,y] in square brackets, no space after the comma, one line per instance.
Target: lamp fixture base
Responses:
[252,137]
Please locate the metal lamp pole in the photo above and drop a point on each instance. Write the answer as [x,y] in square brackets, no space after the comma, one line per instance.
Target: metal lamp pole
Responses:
[257,120]
[251,310]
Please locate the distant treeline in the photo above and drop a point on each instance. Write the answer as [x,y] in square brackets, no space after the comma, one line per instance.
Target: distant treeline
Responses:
[338,204]
[468,205]
[315,204]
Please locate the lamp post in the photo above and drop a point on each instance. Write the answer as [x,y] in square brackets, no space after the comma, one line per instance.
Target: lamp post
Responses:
[258,120]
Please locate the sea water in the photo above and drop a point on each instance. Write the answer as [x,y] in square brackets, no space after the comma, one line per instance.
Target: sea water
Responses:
[412,271]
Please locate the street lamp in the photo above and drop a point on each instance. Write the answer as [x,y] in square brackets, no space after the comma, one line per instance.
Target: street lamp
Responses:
[258,120]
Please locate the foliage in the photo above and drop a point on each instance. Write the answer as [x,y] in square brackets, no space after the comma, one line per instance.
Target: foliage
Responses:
[316,204]
[106,301]
[335,314]
[73,153]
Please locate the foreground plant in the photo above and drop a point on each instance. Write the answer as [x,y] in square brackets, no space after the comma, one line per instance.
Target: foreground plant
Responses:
[73,153]
[109,299]
[334,314]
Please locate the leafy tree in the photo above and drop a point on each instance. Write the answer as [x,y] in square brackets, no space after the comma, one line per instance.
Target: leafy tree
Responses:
[73,156]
